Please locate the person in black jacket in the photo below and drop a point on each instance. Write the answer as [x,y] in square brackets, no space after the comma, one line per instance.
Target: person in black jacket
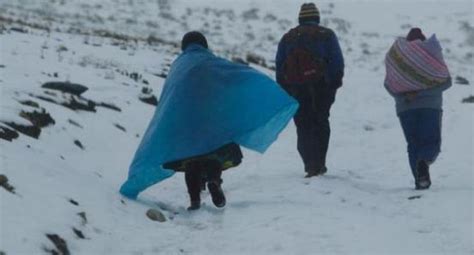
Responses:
[310,67]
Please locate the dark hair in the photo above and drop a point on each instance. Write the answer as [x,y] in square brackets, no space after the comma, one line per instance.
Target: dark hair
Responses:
[193,37]
[415,34]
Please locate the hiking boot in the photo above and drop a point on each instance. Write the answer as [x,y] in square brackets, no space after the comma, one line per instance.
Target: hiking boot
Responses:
[217,193]
[423,180]
[195,205]
[323,170]
[310,172]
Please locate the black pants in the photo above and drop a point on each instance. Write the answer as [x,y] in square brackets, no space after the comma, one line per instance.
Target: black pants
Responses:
[312,125]
[198,172]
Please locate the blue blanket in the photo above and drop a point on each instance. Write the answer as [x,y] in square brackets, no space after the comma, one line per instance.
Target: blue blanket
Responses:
[207,102]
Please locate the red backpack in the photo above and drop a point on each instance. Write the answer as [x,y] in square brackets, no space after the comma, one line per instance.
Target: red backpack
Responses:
[302,65]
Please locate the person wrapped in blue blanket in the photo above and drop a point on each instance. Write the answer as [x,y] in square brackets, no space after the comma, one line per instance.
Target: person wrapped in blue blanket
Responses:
[208,108]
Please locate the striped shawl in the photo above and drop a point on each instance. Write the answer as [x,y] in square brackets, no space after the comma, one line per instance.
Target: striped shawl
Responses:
[414,66]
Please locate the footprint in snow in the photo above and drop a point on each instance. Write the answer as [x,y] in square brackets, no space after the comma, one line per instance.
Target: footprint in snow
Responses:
[414,197]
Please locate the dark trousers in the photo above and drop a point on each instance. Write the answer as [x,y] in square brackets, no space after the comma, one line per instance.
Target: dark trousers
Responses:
[312,125]
[198,173]
[422,130]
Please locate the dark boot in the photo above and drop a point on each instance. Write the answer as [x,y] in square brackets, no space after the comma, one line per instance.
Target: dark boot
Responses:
[311,171]
[217,193]
[323,170]
[193,183]
[214,182]
[195,205]
[315,171]
[423,180]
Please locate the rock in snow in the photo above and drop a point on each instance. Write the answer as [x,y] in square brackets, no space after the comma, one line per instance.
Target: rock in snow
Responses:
[66,87]
[155,215]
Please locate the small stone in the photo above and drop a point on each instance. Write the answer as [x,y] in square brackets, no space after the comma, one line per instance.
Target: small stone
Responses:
[79,144]
[239,61]
[109,106]
[120,127]
[19,30]
[74,202]
[30,103]
[29,130]
[83,217]
[469,99]
[8,134]
[4,183]
[155,215]
[78,233]
[461,80]
[3,179]
[59,243]
[74,123]
[39,119]
[66,87]
[368,128]
[162,74]
[149,99]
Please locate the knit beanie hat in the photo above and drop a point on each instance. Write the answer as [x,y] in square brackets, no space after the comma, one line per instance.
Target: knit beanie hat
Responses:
[415,34]
[193,37]
[308,12]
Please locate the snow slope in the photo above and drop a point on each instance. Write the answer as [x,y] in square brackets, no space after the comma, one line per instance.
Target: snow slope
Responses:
[365,204]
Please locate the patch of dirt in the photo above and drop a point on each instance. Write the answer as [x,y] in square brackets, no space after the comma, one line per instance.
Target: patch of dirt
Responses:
[66,87]
[39,119]
[78,233]
[4,183]
[31,131]
[461,80]
[147,97]
[469,99]
[59,243]
[8,134]
[83,217]
[120,127]
[79,144]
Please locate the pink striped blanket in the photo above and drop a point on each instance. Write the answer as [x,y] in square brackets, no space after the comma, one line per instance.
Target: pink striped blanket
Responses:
[416,65]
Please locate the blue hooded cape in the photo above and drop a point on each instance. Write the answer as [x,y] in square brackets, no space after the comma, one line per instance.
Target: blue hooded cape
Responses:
[207,102]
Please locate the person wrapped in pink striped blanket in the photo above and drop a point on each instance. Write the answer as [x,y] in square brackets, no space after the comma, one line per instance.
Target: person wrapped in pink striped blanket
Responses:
[417,76]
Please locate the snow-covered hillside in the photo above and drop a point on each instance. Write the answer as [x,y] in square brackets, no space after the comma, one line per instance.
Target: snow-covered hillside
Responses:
[65,154]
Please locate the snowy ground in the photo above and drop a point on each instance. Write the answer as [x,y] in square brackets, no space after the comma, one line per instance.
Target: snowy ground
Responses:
[365,204]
